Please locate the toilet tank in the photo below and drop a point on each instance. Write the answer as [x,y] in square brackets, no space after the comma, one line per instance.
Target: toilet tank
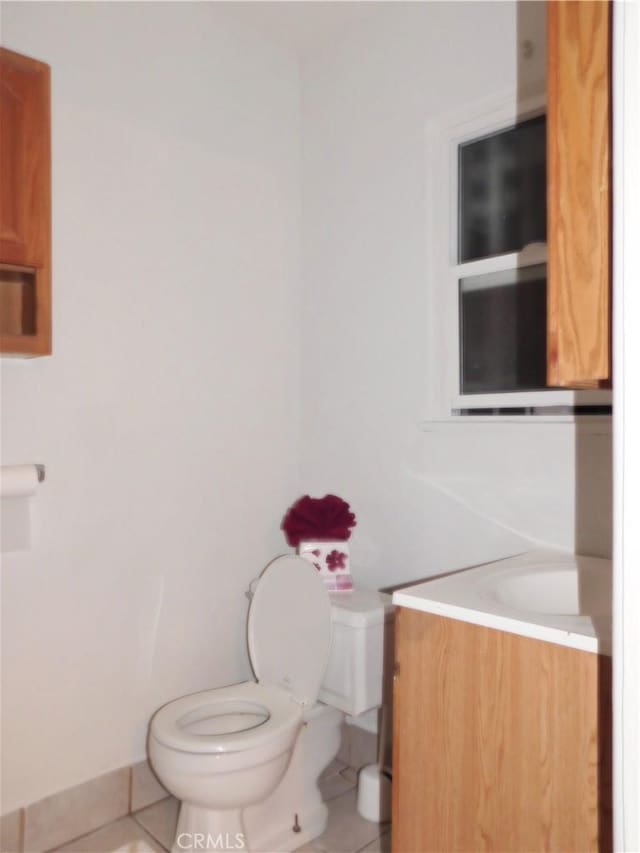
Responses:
[361,650]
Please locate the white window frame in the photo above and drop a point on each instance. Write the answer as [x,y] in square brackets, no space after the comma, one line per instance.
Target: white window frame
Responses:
[444,136]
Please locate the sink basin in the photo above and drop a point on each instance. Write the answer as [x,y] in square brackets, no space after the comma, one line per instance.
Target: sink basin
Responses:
[581,588]
[547,595]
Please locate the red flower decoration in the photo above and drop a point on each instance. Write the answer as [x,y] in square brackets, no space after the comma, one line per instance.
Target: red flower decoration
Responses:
[336,560]
[323,519]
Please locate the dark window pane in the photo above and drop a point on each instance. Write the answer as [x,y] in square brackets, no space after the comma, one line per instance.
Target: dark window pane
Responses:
[503,331]
[502,180]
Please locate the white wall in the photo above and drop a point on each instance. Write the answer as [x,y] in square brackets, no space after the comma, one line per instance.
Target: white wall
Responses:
[426,501]
[168,416]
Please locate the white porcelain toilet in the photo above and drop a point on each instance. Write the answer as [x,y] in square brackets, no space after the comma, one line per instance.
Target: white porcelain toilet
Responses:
[244,760]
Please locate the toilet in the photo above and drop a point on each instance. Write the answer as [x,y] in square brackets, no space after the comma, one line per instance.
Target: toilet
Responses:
[244,760]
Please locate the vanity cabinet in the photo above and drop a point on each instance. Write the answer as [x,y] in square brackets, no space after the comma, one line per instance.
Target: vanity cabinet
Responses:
[501,742]
[25,205]
[579,193]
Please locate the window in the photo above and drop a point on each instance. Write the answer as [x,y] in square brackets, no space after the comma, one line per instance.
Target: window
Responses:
[502,191]
[489,257]
[502,209]
[503,331]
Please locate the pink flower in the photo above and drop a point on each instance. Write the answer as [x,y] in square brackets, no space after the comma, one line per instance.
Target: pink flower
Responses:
[336,560]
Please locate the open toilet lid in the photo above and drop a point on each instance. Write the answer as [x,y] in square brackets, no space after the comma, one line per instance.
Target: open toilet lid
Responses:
[289,628]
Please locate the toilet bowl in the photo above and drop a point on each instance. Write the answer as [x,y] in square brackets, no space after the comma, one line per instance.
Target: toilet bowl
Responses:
[239,736]
[245,760]
[222,750]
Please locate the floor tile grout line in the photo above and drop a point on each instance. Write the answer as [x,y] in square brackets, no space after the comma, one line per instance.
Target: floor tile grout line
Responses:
[349,771]
[91,832]
[338,794]
[148,831]
[77,838]
[145,831]
[377,838]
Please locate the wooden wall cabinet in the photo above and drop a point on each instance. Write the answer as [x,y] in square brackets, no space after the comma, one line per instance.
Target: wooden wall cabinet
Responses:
[25,205]
[501,743]
[579,193]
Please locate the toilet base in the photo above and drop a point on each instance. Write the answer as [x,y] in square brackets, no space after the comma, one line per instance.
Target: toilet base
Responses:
[285,839]
[209,829]
[297,802]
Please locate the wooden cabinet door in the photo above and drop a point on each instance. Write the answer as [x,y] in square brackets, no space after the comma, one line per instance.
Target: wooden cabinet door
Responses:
[25,205]
[579,192]
[501,743]
[24,160]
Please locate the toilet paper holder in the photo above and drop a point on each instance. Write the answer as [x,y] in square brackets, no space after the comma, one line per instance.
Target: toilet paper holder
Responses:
[21,480]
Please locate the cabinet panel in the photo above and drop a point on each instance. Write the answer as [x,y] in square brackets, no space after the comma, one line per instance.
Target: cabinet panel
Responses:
[501,743]
[579,192]
[25,205]
[24,160]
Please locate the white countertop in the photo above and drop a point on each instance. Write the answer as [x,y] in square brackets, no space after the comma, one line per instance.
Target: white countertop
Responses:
[546,595]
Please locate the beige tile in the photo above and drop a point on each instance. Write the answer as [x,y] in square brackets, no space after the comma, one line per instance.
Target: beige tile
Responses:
[123,834]
[363,747]
[332,769]
[350,774]
[11,832]
[160,820]
[76,811]
[335,785]
[145,787]
[346,831]
[380,845]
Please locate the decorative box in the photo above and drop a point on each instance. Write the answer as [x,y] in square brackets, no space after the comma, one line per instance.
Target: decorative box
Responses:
[331,559]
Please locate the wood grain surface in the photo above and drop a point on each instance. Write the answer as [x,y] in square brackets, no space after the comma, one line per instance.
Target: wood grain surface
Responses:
[501,743]
[579,192]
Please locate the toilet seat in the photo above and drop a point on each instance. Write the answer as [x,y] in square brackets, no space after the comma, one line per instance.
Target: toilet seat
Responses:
[289,634]
[269,712]
[289,628]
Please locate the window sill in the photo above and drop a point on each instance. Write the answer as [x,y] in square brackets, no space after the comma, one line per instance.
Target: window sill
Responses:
[583,424]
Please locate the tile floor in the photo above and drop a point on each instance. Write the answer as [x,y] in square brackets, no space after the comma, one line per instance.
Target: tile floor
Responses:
[152,828]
